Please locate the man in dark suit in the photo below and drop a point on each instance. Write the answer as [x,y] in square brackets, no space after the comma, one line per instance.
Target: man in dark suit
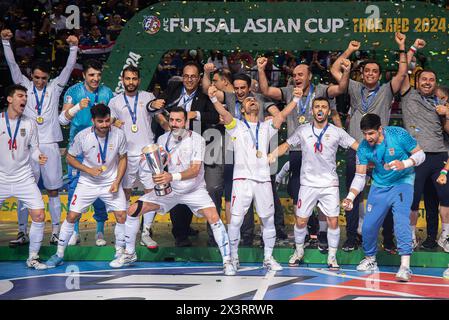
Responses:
[202,116]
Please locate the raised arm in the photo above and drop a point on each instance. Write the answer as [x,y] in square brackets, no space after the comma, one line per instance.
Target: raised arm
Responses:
[265,89]
[401,75]
[225,114]
[419,44]
[335,69]
[16,74]
[64,76]
[280,117]
[343,82]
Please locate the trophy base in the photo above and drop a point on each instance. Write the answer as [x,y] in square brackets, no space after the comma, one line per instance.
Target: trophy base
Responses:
[162,190]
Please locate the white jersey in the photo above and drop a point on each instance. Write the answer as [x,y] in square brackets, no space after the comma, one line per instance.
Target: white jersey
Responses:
[182,153]
[319,169]
[15,163]
[144,136]
[86,144]
[246,164]
[49,130]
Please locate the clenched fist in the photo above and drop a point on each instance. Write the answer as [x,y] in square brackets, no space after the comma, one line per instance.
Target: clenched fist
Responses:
[261,63]
[6,34]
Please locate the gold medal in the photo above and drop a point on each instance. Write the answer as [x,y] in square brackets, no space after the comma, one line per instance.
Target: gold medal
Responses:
[301,119]
[134,128]
[104,168]
[40,120]
[259,154]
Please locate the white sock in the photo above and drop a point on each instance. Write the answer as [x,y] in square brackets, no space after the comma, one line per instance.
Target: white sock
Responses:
[268,235]
[332,252]
[445,230]
[148,219]
[323,226]
[22,217]
[405,261]
[120,235]
[300,236]
[64,237]
[222,239]
[359,227]
[36,236]
[54,204]
[234,234]
[333,237]
[413,232]
[131,229]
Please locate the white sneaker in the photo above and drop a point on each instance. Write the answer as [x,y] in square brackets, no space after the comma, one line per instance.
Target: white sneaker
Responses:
[228,268]
[446,273]
[368,264]
[100,242]
[124,260]
[118,252]
[332,263]
[404,274]
[444,243]
[235,262]
[147,241]
[75,239]
[296,257]
[35,263]
[272,264]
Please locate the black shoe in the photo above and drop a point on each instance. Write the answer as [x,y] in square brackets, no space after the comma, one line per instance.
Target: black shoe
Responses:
[281,235]
[389,247]
[312,243]
[22,239]
[193,232]
[323,246]
[429,243]
[183,243]
[350,245]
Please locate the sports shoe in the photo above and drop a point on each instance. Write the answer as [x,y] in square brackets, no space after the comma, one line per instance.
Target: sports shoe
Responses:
[235,263]
[75,239]
[295,258]
[272,264]
[22,239]
[389,247]
[404,274]
[332,263]
[118,252]
[35,262]
[429,243]
[368,264]
[147,241]
[100,242]
[54,261]
[349,245]
[54,239]
[444,243]
[124,260]
[228,268]
[322,242]
[446,273]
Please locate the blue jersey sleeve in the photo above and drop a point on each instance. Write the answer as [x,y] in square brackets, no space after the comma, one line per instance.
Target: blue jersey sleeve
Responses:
[69,93]
[362,154]
[404,139]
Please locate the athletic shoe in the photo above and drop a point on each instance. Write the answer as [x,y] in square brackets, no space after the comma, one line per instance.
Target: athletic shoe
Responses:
[228,268]
[446,274]
[54,261]
[235,262]
[118,252]
[100,242]
[349,245]
[22,239]
[389,247]
[272,264]
[124,260]
[368,264]
[147,241]
[429,243]
[295,258]
[444,243]
[35,262]
[332,263]
[54,239]
[404,274]
[75,239]
[322,242]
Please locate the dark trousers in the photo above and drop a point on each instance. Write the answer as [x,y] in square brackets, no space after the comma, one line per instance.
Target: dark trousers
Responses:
[431,204]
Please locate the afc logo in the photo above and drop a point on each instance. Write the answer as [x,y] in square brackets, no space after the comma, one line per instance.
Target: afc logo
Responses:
[151,24]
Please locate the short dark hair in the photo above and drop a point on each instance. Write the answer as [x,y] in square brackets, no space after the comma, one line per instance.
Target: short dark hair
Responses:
[192,64]
[243,77]
[420,72]
[372,61]
[132,69]
[92,63]
[13,88]
[100,110]
[179,109]
[224,73]
[40,65]
[321,99]
[370,121]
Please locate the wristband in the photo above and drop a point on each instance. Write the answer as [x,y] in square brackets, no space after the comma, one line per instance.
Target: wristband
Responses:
[351,196]
[444,171]
[214,99]
[176,176]
[413,48]
[401,51]
[296,99]
[74,110]
[408,163]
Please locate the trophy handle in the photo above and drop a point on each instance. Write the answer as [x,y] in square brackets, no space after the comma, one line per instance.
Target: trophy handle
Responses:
[165,156]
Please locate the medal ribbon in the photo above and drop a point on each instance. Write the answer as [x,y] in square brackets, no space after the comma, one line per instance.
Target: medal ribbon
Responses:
[12,139]
[39,104]
[256,138]
[133,114]
[371,95]
[302,107]
[103,150]
[318,146]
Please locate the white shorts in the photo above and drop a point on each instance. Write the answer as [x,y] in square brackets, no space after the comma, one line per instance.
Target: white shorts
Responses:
[328,200]
[52,170]
[243,193]
[135,172]
[86,195]
[27,192]
[196,200]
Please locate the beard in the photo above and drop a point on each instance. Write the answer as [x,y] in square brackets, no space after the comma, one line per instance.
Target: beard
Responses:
[131,88]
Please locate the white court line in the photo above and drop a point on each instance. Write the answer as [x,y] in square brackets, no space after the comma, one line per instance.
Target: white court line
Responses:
[260,293]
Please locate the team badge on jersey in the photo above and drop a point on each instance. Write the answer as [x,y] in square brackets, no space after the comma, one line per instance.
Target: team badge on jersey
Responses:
[391,151]
[299,203]
[23,132]
[369,208]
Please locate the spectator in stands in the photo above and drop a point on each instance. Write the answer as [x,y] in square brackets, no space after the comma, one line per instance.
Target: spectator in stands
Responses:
[24,40]
[114,28]
[95,38]
[218,59]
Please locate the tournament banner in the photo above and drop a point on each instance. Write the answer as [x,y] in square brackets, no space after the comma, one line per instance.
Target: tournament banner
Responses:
[259,26]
